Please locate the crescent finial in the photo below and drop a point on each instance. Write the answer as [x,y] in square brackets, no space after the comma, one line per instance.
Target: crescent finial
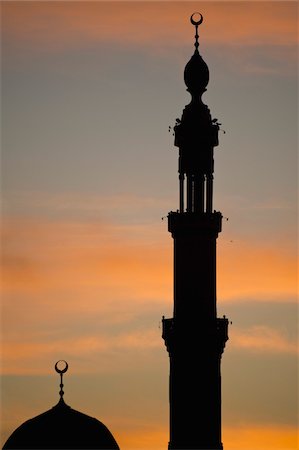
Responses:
[196,23]
[61,372]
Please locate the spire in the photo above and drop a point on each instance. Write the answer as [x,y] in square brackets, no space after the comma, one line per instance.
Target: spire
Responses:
[196,23]
[196,74]
[61,372]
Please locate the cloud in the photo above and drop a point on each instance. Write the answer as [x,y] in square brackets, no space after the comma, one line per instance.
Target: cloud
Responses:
[147,23]
[256,437]
[262,339]
[88,207]
[135,434]
[256,270]
[128,261]
[246,437]
[122,347]
[65,272]
[41,256]
[93,353]
[144,438]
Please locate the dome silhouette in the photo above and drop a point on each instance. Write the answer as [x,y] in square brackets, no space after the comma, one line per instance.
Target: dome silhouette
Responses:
[62,427]
[196,75]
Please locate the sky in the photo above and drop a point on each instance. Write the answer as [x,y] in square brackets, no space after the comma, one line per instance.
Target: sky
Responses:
[89,174]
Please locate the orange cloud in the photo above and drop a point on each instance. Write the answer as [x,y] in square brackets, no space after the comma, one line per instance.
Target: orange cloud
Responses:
[60,272]
[42,256]
[134,434]
[262,339]
[60,24]
[31,354]
[144,438]
[70,265]
[247,437]
[255,437]
[255,270]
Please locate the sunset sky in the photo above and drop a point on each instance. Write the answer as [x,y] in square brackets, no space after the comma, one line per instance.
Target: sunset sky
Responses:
[89,170]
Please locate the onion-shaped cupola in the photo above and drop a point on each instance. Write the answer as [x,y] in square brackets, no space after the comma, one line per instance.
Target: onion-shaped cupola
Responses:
[196,74]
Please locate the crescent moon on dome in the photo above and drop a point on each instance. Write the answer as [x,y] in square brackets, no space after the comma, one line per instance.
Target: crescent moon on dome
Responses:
[61,370]
[196,22]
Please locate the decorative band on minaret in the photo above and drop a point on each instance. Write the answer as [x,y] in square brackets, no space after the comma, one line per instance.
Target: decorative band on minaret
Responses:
[195,338]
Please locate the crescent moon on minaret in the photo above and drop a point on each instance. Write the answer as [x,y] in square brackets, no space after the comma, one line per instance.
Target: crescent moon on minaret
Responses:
[196,22]
[61,370]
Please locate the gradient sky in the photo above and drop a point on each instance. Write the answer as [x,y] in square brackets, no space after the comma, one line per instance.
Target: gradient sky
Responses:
[89,169]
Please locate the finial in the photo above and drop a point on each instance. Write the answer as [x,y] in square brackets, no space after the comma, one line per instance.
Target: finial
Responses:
[196,73]
[196,23]
[61,372]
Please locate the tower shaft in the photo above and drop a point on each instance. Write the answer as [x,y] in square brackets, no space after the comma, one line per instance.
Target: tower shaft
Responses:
[195,337]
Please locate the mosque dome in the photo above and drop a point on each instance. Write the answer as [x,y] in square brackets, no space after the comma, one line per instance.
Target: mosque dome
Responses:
[62,428]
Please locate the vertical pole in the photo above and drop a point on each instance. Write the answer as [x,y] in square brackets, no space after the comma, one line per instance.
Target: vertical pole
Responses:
[199,193]
[181,177]
[189,193]
[209,193]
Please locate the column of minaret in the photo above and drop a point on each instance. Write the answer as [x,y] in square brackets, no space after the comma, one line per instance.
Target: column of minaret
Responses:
[199,192]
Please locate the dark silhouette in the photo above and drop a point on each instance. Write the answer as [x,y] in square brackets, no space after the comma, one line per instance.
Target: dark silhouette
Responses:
[195,337]
[62,428]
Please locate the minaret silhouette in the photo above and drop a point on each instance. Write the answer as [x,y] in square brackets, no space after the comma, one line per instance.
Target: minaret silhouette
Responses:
[195,337]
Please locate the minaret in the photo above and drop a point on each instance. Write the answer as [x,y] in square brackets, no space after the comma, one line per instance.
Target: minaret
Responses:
[195,337]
